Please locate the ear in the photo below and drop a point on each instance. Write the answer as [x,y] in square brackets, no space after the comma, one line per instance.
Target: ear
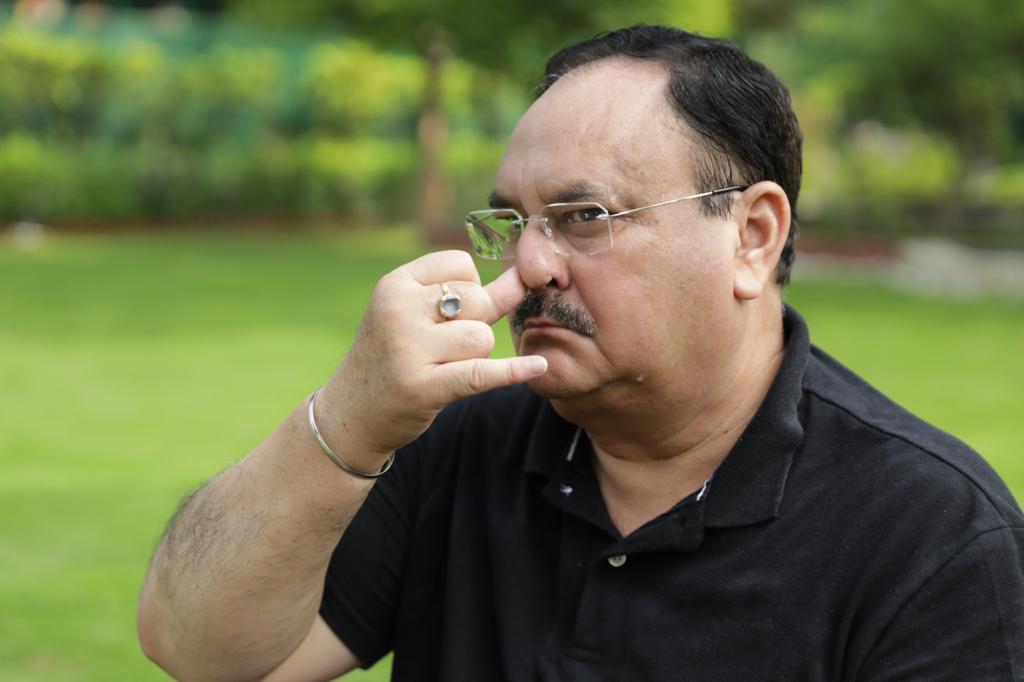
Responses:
[762,218]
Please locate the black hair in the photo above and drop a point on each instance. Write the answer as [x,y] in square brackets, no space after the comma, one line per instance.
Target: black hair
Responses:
[746,128]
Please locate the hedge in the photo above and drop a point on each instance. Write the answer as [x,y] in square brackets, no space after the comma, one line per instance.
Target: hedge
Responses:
[93,129]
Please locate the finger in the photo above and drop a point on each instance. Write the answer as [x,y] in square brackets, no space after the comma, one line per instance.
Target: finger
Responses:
[477,304]
[461,340]
[468,377]
[505,293]
[441,266]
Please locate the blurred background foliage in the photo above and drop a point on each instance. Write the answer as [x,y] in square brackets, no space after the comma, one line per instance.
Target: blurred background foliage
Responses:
[140,116]
[374,110]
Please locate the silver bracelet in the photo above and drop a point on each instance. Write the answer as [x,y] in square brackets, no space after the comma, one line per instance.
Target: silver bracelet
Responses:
[327,450]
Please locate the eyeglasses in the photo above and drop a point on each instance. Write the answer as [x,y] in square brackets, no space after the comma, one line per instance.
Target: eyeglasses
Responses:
[572,228]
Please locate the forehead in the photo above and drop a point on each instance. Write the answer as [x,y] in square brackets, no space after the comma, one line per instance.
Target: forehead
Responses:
[608,125]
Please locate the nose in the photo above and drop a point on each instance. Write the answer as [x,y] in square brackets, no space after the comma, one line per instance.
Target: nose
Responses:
[538,264]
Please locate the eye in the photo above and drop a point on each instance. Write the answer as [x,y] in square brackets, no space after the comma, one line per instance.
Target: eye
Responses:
[584,215]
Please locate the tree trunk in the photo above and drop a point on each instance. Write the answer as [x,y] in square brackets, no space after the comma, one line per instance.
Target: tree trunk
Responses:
[434,196]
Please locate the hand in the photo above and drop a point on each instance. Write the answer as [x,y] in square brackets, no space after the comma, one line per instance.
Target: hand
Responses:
[408,362]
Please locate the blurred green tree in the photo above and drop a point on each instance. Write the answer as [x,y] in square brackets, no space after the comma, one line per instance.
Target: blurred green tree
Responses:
[951,68]
[510,38]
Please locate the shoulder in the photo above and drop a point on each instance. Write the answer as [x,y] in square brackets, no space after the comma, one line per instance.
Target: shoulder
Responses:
[915,527]
[886,452]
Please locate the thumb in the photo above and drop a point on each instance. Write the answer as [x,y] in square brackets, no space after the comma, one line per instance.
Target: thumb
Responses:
[469,377]
[506,292]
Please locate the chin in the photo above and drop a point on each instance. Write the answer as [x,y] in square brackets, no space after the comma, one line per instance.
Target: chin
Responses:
[560,382]
[551,388]
[573,369]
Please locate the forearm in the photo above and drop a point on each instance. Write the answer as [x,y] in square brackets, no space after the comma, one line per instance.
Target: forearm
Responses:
[236,582]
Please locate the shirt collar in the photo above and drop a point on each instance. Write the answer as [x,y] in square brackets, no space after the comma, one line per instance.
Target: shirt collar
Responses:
[553,440]
[749,484]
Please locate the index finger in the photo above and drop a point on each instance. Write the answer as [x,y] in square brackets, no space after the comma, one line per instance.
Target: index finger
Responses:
[443,266]
[505,293]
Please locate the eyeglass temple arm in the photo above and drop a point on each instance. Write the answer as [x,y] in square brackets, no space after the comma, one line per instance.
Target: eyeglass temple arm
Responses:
[713,192]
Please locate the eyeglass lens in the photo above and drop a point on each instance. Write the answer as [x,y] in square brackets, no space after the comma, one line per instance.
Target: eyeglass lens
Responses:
[572,228]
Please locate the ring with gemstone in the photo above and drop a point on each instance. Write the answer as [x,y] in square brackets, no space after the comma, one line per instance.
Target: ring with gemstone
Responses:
[450,304]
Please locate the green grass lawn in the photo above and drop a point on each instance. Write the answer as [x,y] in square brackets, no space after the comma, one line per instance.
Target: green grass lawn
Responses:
[134,367]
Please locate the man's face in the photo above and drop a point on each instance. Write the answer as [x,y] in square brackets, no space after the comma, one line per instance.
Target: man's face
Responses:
[659,303]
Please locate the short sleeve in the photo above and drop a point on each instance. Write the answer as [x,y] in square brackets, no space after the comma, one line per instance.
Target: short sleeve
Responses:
[966,622]
[364,579]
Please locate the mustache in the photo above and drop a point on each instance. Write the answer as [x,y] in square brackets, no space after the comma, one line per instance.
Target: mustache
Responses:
[555,308]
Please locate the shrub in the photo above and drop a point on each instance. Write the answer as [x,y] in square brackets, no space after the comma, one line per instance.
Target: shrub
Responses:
[141,127]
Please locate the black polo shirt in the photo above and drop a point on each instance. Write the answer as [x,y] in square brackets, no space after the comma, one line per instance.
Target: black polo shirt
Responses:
[841,539]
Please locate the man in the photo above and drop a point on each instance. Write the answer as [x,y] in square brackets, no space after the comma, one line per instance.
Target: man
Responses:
[685,489]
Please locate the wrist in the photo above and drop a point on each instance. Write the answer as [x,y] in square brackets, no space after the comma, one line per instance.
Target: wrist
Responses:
[335,439]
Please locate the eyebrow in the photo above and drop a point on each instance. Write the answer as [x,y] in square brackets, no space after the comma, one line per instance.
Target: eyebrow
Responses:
[498,201]
[574,192]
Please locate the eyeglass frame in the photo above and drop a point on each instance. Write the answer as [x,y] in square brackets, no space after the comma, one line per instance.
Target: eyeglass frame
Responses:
[521,223]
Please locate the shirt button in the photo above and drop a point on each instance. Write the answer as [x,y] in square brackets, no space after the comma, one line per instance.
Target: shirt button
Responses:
[617,560]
